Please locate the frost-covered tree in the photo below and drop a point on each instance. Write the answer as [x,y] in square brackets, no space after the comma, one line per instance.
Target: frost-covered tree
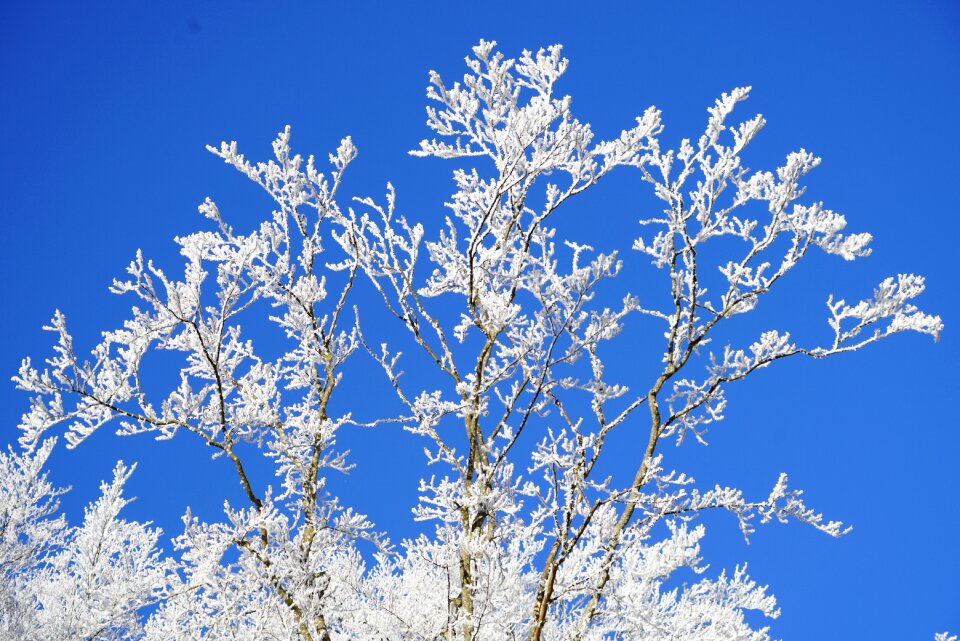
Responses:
[84,582]
[529,535]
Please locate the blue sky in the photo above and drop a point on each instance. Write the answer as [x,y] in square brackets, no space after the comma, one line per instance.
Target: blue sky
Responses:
[107,107]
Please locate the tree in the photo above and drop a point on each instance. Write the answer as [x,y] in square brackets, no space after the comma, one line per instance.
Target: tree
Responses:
[533,538]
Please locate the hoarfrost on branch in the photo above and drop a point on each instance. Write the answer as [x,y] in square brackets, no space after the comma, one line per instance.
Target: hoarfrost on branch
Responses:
[509,325]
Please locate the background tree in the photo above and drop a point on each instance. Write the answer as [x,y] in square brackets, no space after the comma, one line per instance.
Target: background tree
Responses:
[535,534]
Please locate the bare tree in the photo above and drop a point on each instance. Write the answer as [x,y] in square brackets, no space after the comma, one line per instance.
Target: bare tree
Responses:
[511,328]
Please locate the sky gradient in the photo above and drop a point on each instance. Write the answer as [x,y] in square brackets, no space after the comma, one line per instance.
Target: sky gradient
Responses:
[107,107]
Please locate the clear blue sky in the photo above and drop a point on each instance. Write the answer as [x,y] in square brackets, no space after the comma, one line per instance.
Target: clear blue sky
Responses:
[106,108]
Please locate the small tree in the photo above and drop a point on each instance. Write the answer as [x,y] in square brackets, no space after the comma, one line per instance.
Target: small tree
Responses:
[512,400]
